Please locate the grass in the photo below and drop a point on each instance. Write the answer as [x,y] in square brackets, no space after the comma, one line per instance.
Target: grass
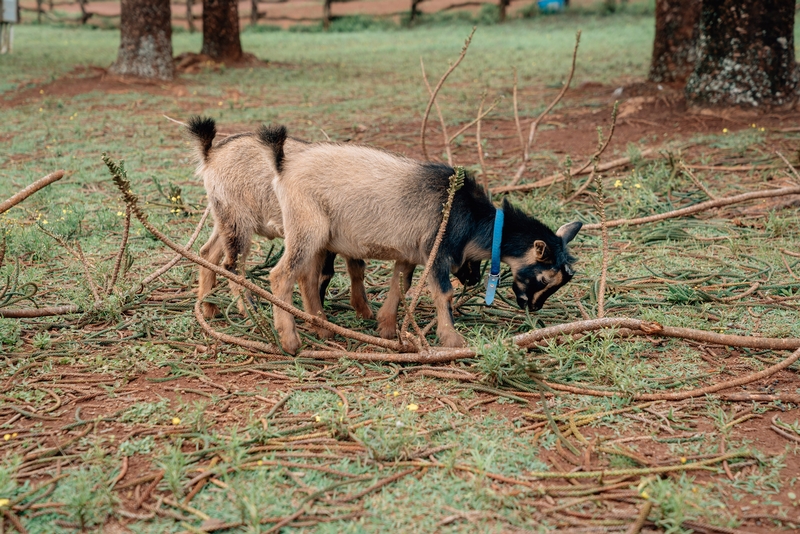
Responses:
[139,385]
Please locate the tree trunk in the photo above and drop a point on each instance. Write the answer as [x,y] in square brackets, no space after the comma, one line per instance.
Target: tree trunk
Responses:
[745,55]
[675,45]
[221,30]
[503,8]
[145,48]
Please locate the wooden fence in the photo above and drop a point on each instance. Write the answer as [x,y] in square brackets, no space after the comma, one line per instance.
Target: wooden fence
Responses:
[187,12]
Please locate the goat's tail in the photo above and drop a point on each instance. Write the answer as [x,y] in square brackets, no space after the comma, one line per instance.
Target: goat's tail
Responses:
[203,130]
[274,137]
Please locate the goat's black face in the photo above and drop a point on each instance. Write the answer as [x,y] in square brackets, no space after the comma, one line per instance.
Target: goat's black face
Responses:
[544,269]
[534,284]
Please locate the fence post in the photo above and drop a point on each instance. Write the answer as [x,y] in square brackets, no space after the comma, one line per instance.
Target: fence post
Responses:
[326,14]
[414,11]
[253,12]
[189,15]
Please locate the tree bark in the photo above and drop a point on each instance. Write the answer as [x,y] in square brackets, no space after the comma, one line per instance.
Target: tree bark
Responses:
[745,55]
[145,49]
[221,30]
[675,45]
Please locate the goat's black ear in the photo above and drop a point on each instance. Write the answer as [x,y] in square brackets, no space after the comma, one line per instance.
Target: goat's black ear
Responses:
[569,231]
[506,204]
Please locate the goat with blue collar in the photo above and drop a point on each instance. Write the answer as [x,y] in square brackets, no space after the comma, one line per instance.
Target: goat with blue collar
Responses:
[362,202]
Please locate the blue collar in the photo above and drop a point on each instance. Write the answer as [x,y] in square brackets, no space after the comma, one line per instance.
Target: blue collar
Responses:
[494,273]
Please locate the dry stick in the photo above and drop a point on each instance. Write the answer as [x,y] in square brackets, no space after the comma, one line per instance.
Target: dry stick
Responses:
[484,176]
[709,204]
[516,118]
[791,167]
[535,123]
[441,117]
[641,519]
[177,258]
[555,178]
[31,189]
[438,87]
[118,263]
[130,199]
[476,120]
[378,485]
[39,312]
[246,343]
[431,355]
[697,182]
[640,327]
[451,192]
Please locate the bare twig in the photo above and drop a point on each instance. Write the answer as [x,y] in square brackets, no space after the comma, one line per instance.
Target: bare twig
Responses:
[430,355]
[555,178]
[233,340]
[601,209]
[118,263]
[697,182]
[791,167]
[31,189]
[535,124]
[177,258]
[477,120]
[516,118]
[438,87]
[709,204]
[484,176]
[441,118]
[39,312]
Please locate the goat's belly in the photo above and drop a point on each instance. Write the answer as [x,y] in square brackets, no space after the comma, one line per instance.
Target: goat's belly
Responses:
[374,251]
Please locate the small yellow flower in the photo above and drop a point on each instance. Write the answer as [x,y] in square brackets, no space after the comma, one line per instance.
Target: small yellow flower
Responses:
[219,103]
[762,129]
[260,462]
[724,130]
[40,110]
[176,421]
[694,490]
[683,460]
[44,221]
[41,91]
[618,183]
[174,199]
[14,435]
[72,118]
[318,418]
[4,503]
[753,125]
[7,437]
[637,186]
[119,214]
[396,393]
[412,407]
[644,495]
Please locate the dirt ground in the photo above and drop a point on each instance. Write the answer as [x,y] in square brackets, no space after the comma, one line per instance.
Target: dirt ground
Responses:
[649,115]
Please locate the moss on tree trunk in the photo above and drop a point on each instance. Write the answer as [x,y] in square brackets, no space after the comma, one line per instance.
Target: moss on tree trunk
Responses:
[745,55]
[221,30]
[674,48]
[145,49]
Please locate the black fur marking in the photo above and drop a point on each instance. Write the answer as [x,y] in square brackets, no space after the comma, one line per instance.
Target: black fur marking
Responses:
[326,275]
[274,137]
[204,129]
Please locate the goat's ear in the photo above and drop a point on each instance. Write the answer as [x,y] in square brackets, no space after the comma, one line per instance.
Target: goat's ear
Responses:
[540,250]
[569,231]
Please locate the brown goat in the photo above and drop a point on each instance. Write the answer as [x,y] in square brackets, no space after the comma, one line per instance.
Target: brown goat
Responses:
[237,173]
[367,203]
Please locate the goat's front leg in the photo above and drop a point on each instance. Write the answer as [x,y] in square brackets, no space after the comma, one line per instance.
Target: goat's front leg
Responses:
[401,283]
[358,293]
[442,291]
[282,279]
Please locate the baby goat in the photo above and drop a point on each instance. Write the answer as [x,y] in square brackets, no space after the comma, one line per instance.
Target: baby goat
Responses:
[237,173]
[367,203]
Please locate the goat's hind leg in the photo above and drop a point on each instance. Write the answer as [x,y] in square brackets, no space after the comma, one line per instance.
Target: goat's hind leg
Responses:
[212,251]
[237,248]
[400,284]
[442,291]
[358,293]
[311,290]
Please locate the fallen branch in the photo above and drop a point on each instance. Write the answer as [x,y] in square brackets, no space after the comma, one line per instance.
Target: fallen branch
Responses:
[555,178]
[31,189]
[233,340]
[703,206]
[640,327]
[431,355]
[40,312]
[535,124]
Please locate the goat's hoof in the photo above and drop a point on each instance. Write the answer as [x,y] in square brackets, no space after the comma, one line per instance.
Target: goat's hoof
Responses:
[322,333]
[209,310]
[386,329]
[363,311]
[452,339]
[292,344]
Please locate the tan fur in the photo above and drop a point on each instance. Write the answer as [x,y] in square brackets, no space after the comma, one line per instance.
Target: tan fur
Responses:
[362,203]
[238,173]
